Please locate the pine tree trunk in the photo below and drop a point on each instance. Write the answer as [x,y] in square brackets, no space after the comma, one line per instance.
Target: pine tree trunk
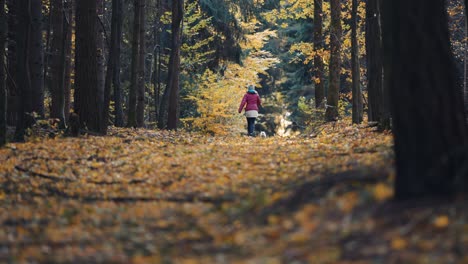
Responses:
[117,21]
[331,113]
[427,107]
[86,80]
[114,55]
[174,66]
[374,61]
[12,63]
[68,56]
[100,52]
[36,58]
[47,48]
[132,97]
[318,57]
[3,93]
[57,64]
[23,79]
[357,94]
[385,118]
[162,114]
[465,65]
[141,68]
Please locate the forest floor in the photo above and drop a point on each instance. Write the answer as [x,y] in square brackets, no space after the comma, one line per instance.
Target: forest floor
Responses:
[145,196]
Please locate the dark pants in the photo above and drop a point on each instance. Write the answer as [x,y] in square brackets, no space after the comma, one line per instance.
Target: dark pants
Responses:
[250,126]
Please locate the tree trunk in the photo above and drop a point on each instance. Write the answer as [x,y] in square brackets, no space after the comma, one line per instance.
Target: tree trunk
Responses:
[374,61]
[427,107]
[357,93]
[385,118]
[47,48]
[465,64]
[86,80]
[100,52]
[132,97]
[165,45]
[174,66]
[331,113]
[157,59]
[318,57]
[36,58]
[57,64]
[68,56]
[117,22]
[23,79]
[12,63]
[3,93]
[141,68]
[114,55]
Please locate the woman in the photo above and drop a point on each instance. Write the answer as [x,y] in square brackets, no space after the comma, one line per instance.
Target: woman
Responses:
[252,102]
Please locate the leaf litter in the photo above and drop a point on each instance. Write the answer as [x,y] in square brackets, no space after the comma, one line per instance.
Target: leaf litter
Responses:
[143,196]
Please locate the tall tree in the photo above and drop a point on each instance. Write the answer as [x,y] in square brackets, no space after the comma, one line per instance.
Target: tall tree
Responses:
[23,79]
[132,97]
[68,54]
[331,112]
[427,106]
[3,93]
[100,47]
[374,61]
[57,67]
[157,58]
[86,80]
[357,93]
[318,58]
[140,109]
[36,58]
[174,64]
[12,63]
[113,68]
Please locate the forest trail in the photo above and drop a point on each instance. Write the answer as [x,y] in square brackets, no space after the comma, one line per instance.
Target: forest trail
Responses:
[142,196]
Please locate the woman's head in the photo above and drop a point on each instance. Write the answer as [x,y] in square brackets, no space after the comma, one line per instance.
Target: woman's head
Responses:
[251,88]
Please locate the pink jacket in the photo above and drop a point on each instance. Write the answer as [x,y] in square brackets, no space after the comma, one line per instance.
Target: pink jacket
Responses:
[252,100]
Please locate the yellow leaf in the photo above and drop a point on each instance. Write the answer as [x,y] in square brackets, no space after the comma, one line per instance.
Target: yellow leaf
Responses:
[441,221]
[382,192]
[399,243]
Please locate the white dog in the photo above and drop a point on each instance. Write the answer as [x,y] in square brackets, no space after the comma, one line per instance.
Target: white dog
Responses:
[263,134]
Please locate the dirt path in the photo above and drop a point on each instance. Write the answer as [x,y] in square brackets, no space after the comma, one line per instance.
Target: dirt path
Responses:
[142,196]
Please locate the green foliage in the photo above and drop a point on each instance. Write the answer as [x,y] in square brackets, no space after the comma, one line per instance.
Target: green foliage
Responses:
[307,115]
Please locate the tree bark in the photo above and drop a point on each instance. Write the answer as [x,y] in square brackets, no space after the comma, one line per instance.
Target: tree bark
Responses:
[57,67]
[100,47]
[114,55]
[23,79]
[36,58]
[465,64]
[141,68]
[132,97]
[157,59]
[68,56]
[86,80]
[355,70]
[12,63]
[3,93]
[427,107]
[374,61]
[174,65]
[331,112]
[117,22]
[385,118]
[318,57]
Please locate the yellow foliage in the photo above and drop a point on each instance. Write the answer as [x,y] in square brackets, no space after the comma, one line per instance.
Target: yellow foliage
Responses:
[399,243]
[382,192]
[441,221]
